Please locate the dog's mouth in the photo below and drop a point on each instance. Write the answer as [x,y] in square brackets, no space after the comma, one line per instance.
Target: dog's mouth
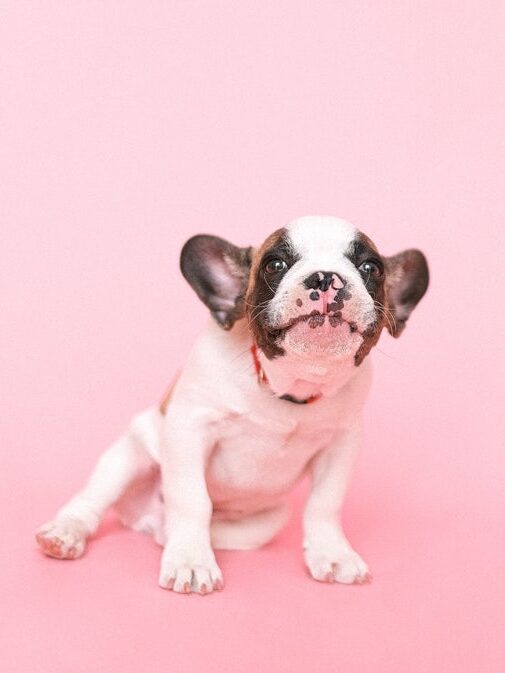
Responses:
[316,319]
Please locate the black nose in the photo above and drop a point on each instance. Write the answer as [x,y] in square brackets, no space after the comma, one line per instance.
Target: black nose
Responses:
[323,280]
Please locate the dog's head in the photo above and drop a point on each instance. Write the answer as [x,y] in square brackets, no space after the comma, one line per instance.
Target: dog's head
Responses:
[318,286]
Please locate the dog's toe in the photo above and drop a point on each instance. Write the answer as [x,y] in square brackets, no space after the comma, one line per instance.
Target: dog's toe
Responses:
[187,578]
[351,569]
[345,567]
[62,540]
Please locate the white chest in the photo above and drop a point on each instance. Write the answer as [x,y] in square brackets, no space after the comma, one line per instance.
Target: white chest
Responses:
[264,452]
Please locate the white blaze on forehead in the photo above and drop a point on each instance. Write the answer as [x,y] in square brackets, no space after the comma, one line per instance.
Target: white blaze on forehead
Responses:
[319,237]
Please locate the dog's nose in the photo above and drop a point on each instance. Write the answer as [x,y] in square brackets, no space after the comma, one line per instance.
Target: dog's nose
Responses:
[323,280]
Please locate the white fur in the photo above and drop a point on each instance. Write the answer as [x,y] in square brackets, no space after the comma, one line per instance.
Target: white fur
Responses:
[230,451]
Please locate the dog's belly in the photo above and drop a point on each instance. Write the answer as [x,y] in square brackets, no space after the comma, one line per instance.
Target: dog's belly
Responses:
[254,463]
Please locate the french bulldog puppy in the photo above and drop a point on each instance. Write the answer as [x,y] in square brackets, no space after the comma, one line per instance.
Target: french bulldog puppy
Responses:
[272,390]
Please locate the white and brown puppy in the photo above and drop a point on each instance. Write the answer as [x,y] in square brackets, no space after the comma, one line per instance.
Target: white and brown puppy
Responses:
[273,389]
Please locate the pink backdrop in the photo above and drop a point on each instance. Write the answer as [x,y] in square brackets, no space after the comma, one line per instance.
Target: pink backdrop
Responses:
[126,127]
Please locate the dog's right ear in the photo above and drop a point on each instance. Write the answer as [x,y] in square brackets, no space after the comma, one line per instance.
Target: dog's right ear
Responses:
[219,273]
[407,278]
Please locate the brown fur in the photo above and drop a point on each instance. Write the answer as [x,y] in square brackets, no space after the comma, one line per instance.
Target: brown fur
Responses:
[362,249]
[259,291]
[407,278]
[395,293]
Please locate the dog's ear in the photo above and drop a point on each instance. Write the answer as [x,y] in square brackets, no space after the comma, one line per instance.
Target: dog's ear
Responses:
[407,278]
[219,273]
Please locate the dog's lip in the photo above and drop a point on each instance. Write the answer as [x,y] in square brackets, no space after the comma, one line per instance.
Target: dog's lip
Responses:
[304,317]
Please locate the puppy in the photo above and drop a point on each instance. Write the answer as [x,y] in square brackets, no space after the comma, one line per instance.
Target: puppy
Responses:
[273,389]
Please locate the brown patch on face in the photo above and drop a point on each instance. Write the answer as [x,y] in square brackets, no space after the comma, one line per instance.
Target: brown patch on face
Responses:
[262,288]
[395,294]
[363,249]
[370,338]
[367,242]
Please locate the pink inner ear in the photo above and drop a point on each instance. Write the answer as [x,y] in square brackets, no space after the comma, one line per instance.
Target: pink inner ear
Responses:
[227,286]
[217,271]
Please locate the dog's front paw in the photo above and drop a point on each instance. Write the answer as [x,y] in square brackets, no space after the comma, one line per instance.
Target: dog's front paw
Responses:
[187,571]
[339,565]
[62,539]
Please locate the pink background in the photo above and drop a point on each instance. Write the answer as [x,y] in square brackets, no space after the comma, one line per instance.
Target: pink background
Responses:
[126,127]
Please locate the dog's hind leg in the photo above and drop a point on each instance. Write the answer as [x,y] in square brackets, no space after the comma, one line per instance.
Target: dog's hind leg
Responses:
[127,460]
[140,506]
[249,532]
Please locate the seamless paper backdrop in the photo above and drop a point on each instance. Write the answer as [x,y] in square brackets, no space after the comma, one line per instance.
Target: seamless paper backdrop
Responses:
[126,127]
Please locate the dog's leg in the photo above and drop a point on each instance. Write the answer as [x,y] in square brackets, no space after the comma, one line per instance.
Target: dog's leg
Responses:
[188,563]
[250,532]
[65,536]
[328,554]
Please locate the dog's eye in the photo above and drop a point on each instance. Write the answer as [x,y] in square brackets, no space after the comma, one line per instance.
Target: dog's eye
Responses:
[275,266]
[371,268]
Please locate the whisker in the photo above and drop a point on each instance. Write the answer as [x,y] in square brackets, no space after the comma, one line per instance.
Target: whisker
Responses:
[378,303]
[240,355]
[255,316]
[268,284]
[395,360]
[262,303]
[381,312]
[387,313]
[249,368]
[388,320]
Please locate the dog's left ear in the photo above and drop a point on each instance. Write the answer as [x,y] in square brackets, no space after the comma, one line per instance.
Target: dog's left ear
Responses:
[407,278]
[219,273]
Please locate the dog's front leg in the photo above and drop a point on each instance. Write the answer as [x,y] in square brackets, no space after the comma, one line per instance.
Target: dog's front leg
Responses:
[188,563]
[328,554]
